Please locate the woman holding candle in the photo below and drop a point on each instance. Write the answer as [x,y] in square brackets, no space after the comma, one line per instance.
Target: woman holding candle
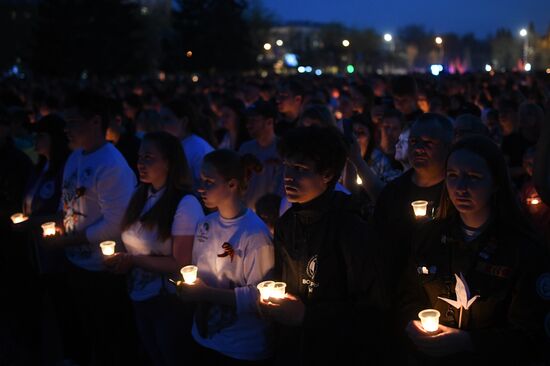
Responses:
[483,239]
[157,231]
[233,252]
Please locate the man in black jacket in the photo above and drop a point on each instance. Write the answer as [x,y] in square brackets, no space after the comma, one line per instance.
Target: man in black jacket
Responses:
[327,256]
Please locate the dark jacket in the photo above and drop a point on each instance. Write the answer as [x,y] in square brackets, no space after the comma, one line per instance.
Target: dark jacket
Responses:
[328,258]
[503,267]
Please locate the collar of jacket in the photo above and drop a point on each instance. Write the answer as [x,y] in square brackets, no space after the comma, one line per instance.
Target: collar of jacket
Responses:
[315,209]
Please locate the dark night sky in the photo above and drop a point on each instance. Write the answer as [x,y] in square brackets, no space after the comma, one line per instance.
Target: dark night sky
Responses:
[461,16]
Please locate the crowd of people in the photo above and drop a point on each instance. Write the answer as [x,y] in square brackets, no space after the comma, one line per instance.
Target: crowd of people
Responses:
[303,181]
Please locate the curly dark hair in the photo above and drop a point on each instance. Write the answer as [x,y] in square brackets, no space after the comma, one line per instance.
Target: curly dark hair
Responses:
[325,147]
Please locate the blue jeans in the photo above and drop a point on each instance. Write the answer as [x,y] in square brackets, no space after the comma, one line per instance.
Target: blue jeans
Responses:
[164,325]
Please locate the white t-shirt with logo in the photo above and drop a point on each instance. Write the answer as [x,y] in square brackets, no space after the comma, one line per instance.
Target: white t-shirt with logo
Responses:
[138,240]
[195,149]
[235,332]
[95,192]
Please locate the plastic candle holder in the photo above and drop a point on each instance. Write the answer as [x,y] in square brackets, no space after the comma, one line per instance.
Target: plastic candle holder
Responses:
[48,228]
[429,319]
[189,274]
[18,217]
[107,247]
[279,290]
[420,208]
[266,288]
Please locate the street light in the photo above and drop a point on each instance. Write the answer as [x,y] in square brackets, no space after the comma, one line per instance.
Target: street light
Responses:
[267,46]
[279,42]
[439,43]
[388,39]
[524,34]
[345,43]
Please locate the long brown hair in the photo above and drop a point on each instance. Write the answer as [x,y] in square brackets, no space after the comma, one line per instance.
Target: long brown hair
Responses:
[178,184]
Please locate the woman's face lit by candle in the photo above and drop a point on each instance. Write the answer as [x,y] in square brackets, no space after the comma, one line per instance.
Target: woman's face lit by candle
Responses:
[469,182]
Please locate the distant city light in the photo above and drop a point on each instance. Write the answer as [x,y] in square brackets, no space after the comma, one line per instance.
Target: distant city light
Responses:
[144,10]
[548,70]
[189,54]
[291,60]
[279,43]
[195,78]
[436,69]
[488,68]
[528,67]
[301,69]
[387,37]
[438,40]
[308,68]
[162,76]
[350,69]
[523,32]
[345,43]
[15,70]
[318,72]
[267,46]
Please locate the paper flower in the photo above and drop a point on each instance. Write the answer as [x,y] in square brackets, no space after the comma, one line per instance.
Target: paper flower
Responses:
[463,300]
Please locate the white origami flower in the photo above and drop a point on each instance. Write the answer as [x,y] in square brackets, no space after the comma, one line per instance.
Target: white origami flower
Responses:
[462,295]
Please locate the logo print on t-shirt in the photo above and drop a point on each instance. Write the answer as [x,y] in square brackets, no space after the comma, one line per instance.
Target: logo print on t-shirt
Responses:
[202,232]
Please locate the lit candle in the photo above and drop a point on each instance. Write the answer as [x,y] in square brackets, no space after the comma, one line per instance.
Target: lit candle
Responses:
[359,181]
[429,319]
[18,217]
[533,201]
[189,274]
[278,291]
[420,208]
[265,288]
[48,228]
[107,247]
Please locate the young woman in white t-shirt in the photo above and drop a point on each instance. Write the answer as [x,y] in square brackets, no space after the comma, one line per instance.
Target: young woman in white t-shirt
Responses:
[233,251]
[157,231]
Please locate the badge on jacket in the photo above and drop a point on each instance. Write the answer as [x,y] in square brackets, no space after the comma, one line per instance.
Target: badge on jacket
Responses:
[311,272]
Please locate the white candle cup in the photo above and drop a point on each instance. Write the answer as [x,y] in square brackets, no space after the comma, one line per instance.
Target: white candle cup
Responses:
[420,208]
[18,218]
[278,291]
[107,247]
[48,228]
[189,274]
[266,288]
[429,319]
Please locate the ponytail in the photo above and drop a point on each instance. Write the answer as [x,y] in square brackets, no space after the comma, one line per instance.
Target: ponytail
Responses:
[231,165]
